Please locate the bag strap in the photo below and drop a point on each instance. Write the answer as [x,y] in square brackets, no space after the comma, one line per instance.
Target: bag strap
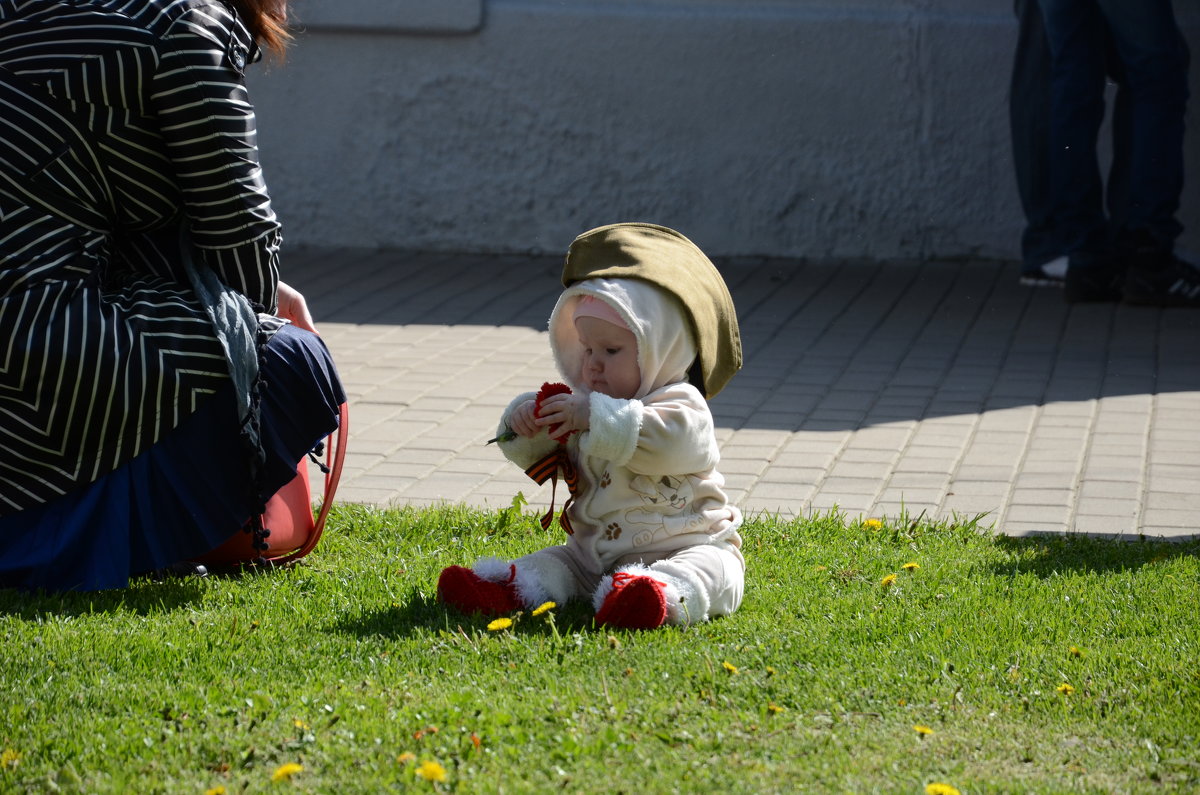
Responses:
[335,455]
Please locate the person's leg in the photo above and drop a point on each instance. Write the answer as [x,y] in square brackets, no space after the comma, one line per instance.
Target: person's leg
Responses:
[493,586]
[1116,188]
[1076,32]
[1155,59]
[1029,125]
[688,586]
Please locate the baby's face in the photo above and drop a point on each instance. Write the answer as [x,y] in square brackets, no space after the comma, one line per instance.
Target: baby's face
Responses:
[610,358]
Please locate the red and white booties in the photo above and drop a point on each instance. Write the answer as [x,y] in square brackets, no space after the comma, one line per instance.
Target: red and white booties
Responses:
[638,597]
[635,597]
[466,591]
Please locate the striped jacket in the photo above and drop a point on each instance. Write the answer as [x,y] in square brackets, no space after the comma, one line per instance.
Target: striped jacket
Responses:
[120,122]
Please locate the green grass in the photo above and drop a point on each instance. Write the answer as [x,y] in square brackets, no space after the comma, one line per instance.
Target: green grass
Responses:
[347,666]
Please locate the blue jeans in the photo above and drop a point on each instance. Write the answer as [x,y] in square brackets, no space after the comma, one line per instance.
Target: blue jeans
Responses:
[1029,119]
[1029,108]
[1155,60]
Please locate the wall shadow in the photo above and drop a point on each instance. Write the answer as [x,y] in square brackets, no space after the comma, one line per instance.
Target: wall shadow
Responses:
[829,345]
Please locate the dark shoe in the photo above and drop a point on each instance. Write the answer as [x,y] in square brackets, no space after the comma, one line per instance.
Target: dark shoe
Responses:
[1093,278]
[1159,278]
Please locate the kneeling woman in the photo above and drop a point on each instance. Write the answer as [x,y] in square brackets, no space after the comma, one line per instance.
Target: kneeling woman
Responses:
[153,394]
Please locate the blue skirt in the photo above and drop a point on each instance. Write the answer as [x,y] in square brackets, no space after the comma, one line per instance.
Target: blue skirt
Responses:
[187,494]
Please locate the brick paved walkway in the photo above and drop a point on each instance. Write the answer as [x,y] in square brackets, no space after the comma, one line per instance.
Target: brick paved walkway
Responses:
[930,388]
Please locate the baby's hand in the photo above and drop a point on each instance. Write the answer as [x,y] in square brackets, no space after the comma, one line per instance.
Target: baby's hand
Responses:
[571,412]
[523,421]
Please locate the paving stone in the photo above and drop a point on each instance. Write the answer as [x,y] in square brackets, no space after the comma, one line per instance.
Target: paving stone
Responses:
[1039,412]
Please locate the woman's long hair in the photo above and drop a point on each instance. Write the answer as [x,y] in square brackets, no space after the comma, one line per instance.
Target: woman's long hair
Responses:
[267,21]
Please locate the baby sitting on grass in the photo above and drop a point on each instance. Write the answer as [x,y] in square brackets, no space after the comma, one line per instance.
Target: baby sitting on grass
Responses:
[643,332]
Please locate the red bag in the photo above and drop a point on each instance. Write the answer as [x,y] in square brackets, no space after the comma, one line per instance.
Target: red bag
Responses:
[289,513]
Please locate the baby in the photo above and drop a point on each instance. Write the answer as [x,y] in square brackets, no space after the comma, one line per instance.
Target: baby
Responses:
[651,536]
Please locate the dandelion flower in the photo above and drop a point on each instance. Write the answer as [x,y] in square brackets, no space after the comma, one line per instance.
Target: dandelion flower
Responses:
[921,729]
[730,667]
[9,758]
[542,608]
[937,788]
[771,670]
[285,772]
[1074,652]
[774,708]
[1066,689]
[911,566]
[888,581]
[406,757]
[431,771]
[217,790]
[499,624]
[299,724]
[874,524]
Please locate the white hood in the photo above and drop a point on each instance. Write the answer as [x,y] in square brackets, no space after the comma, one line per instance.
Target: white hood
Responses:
[666,347]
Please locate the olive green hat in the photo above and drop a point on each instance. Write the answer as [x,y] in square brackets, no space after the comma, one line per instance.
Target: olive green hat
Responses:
[665,258]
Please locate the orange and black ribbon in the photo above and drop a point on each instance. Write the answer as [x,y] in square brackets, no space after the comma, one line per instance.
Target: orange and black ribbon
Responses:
[547,469]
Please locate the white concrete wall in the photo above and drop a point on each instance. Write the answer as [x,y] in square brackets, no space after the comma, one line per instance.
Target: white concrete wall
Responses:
[845,128]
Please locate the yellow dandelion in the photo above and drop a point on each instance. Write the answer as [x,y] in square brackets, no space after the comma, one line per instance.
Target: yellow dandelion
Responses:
[922,729]
[771,670]
[874,524]
[821,568]
[1074,652]
[431,771]
[1066,689]
[774,708]
[911,566]
[729,667]
[217,790]
[299,724]
[406,757]
[937,788]
[499,624]
[9,759]
[888,581]
[285,772]
[542,608]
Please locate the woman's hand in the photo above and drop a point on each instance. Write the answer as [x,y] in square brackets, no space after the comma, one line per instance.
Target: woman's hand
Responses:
[572,410]
[293,307]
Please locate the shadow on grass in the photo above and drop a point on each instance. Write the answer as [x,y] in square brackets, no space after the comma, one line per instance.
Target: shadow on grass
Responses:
[145,595]
[141,598]
[1054,554]
[420,613]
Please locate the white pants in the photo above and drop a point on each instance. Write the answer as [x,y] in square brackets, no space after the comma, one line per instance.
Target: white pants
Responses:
[702,581]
